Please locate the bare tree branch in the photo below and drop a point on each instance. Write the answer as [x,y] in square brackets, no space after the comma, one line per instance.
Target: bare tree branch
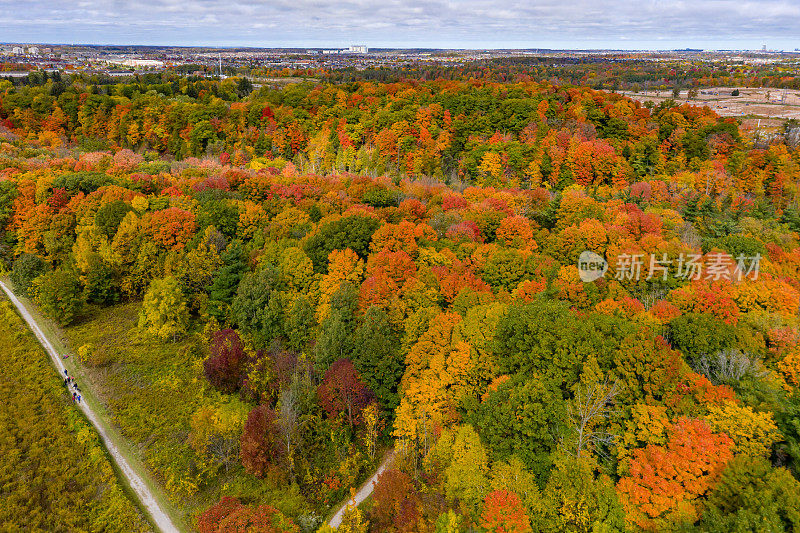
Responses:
[729,366]
[590,407]
[288,422]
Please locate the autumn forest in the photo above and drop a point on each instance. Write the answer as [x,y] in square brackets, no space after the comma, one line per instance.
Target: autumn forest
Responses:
[273,291]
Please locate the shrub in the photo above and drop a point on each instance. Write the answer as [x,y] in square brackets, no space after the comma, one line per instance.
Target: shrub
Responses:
[164,312]
[58,294]
[26,268]
[224,368]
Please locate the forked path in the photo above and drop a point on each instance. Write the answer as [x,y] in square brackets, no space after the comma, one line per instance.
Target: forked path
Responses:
[146,497]
[363,493]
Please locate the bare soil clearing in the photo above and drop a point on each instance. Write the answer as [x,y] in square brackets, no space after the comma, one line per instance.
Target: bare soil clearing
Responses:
[759,102]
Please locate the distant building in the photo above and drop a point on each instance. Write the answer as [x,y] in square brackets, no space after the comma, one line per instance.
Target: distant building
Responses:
[141,63]
[33,51]
[17,50]
[358,49]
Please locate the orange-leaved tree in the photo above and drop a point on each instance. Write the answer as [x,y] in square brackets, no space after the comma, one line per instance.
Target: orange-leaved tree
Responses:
[503,513]
[663,483]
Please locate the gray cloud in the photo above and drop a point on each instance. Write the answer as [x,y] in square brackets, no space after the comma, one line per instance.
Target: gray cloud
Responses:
[434,23]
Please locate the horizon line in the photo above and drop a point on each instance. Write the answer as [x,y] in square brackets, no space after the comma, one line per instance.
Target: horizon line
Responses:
[434,48]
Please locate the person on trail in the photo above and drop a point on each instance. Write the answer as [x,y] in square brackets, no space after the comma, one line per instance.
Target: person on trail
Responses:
[79,398]
[73,397]
[65,373]
[66,382]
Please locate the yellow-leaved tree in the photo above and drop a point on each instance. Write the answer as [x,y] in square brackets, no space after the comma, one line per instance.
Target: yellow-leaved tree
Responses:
[464,461]
[343,265]
[752,433]
[164,312]
[436,368]
[202,262]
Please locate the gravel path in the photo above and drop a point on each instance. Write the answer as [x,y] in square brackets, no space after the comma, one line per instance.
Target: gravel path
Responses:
[148,500]
[363,493]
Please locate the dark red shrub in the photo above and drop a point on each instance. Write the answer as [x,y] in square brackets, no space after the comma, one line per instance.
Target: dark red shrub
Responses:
[260,444]
[343,392]
[225,366]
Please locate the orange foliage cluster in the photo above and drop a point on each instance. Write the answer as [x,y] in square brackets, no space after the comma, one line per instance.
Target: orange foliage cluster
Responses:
[665,481]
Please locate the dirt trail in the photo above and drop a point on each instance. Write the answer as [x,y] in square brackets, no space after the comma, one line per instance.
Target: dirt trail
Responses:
[148,500]
[363,493]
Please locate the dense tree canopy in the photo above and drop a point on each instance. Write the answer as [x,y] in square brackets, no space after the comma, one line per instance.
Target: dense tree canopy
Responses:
[282,284]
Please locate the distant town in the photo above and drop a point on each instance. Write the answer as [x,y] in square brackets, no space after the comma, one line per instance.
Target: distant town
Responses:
[16,59]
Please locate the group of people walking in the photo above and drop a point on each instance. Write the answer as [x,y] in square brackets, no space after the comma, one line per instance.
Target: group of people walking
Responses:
[72,386]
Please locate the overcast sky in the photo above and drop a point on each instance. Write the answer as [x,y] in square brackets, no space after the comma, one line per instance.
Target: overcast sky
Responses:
[652,24]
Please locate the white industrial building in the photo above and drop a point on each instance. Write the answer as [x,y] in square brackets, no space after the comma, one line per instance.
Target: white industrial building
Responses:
[136,62]
[352,49]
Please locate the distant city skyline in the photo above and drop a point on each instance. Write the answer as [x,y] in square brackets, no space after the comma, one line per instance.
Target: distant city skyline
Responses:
[581,24]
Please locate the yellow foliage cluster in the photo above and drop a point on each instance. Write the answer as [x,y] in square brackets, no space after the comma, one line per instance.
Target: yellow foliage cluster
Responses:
[769,295]
[649,424]
[215,432]
[250,217]
[343,266]
[433,366]
[789,368]
[752,433]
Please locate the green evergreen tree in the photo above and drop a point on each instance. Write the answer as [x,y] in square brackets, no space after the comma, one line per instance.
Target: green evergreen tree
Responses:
[258,309]
[335,339]
[300,323]
[26,268]
[377,357]
[226,281]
